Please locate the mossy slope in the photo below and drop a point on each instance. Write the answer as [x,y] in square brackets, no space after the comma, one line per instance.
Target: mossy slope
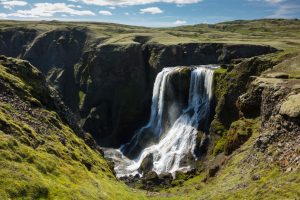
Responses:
[40,155]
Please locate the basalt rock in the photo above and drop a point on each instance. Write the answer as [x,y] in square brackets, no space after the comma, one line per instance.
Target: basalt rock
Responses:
[203,53]
[147,164]
[151,181]
[113,81]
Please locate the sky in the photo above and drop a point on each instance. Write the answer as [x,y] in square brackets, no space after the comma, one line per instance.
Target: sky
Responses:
[152,13]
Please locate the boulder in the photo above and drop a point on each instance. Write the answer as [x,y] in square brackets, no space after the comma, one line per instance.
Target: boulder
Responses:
[147,164]
[213,170]
[291,106]
[240,131]
[280,75]
[165,179]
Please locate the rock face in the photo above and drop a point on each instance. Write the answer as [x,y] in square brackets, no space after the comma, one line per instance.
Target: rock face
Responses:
[14,41]
[109,85]
[113,80]
[230,85]
[278,106]
[58,51]
[203,53]
[60,48]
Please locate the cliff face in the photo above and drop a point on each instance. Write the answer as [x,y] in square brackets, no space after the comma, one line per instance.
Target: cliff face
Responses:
[110,85]
[277,103]
[14,41]
[201,53]
[114,91]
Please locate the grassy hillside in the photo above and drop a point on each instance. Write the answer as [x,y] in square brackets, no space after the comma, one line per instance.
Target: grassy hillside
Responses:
[279,33]
[40,155]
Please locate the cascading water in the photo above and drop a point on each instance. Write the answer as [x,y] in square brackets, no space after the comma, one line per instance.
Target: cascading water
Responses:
[169,146]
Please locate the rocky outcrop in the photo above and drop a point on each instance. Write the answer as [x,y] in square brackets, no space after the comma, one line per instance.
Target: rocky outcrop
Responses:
[232,83]
[278,106]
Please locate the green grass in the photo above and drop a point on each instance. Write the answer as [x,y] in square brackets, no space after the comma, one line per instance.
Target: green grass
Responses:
[282,34]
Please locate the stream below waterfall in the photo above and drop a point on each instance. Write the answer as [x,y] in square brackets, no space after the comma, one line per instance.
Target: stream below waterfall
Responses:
[169,136]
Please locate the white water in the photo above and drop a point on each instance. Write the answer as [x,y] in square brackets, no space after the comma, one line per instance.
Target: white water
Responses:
[179,140]
[155,123]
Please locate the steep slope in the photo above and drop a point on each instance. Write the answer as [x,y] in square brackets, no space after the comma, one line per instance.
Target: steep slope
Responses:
[41,157]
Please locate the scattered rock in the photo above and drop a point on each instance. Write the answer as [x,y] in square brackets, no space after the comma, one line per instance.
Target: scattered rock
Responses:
[255,177]
[213,170]
[165,178]
[290,169]
[277,75]
[198,187]
[151,176]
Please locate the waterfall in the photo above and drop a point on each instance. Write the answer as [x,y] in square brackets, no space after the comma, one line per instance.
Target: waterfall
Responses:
[169,147]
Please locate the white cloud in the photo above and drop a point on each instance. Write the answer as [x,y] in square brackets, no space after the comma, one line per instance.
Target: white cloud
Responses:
[49,9]
[268,1]
[105,12]
[274,1]
[11,4]
[180,22]
[135,2]
[127,13]
[112,7]
[284,8]
[285,11]
[3,15]
[151,10]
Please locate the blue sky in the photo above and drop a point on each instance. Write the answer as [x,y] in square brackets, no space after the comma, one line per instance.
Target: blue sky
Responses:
[157,13]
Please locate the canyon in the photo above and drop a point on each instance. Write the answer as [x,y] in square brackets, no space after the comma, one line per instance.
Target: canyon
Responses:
[198,113]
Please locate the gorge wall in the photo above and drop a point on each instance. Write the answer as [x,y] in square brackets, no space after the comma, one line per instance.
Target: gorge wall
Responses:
[109,85]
